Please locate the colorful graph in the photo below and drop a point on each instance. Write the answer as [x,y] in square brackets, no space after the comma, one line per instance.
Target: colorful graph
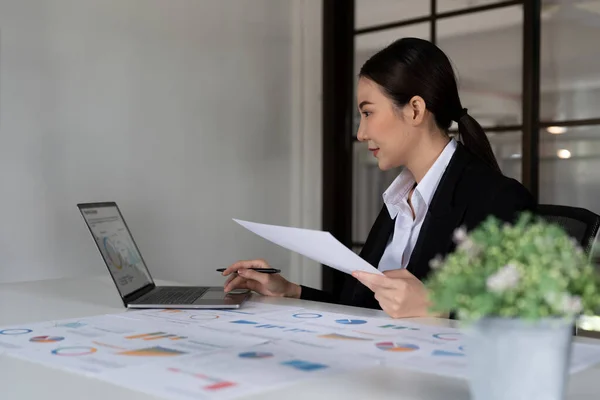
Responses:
[447,353]
[448,336]
[110,346]
[72,325]
[156,351]
[255,354]
[304,365]
[46,339]
[120,254]
[341,337]
[155,336]
[351,321]
[15,331]
[396,347]
[307,315]
[112,253]
[74,351]
[219,386]
[215,385]
[399,327]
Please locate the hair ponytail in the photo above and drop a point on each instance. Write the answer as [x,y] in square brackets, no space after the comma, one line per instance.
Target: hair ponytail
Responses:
[415,67]
[474,138]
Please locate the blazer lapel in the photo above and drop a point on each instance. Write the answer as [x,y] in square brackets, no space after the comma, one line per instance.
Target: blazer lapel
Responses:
[378,238]
[444,215]
[355,293]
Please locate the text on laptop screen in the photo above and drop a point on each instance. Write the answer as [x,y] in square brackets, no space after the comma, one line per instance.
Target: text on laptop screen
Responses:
[117,248]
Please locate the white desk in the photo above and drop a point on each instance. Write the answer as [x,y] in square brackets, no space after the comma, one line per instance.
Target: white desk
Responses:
[61,299]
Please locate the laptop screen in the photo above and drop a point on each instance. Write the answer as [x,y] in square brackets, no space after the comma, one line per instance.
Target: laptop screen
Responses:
[118,248]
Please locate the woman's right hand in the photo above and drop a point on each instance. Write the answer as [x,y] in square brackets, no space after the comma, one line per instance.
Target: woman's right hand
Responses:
[241,277]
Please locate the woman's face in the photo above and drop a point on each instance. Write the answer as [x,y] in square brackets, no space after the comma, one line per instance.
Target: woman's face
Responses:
[388,129]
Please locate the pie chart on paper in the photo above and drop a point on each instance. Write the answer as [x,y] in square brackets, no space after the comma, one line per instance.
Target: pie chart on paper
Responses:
[351,321]
[397,347]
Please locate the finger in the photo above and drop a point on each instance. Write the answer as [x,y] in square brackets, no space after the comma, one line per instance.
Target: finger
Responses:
[367,284]
[386,305]
[373,280]
[401,273]
[254,275]
[378,298]
[254,286]
[385,296]
[246,284]
[229,279]
[235,283]
[245,264]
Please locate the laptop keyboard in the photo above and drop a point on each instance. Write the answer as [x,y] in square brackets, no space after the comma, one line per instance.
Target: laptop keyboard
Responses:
[173,295]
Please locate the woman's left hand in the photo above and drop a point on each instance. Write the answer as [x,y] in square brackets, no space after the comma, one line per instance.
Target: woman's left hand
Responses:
[399,293]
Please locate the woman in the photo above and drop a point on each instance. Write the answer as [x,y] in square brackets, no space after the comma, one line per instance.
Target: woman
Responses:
[408,97]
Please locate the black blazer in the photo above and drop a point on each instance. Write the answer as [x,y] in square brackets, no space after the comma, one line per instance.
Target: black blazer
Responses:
[469,191]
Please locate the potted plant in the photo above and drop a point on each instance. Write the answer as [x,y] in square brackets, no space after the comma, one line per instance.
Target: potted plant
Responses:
[518,289]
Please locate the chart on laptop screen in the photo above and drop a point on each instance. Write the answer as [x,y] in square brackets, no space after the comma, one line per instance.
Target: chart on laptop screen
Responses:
[117,248]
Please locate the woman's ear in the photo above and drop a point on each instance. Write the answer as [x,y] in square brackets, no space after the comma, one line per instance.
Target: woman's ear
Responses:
[415,110]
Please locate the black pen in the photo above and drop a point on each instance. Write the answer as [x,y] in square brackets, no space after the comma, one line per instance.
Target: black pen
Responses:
[263,270]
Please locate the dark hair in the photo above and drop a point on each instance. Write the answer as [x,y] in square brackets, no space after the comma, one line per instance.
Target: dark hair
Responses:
[415,67]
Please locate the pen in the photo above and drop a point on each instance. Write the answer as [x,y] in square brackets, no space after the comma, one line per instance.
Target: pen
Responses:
[263,270]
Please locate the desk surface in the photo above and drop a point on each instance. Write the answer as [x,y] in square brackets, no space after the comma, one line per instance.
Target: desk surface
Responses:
[73,298]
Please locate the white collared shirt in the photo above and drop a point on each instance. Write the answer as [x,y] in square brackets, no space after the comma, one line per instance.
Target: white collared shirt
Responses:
[406,230]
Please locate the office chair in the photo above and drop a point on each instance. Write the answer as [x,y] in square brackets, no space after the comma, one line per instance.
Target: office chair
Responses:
[579,223]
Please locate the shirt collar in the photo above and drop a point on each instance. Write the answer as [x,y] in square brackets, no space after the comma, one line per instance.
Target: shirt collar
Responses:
[430,181]
[398,190]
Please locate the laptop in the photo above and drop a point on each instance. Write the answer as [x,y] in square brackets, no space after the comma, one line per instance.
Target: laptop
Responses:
[130,274]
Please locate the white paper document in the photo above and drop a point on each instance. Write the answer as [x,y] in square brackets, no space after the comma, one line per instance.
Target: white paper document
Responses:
[219,354]
[317,245]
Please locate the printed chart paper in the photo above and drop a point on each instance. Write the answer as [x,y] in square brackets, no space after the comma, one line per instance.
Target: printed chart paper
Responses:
[191,354]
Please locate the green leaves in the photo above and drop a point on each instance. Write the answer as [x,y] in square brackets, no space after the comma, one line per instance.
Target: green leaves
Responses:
[530,270]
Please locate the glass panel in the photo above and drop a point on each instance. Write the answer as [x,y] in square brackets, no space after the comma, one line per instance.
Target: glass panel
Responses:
[369,183]
[357,249]
[486,50]
[453,5]
[570,60]
[377,12]
[507,149]
[569,167]
[366,45]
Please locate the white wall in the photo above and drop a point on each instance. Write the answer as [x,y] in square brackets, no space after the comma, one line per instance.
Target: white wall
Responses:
[179,110]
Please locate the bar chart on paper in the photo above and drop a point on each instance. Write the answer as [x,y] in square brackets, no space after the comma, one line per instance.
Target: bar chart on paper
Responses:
[234,372]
